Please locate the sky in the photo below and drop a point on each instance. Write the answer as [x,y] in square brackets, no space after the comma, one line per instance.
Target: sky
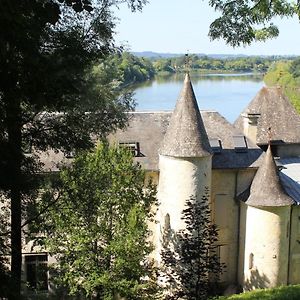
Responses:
[180,26]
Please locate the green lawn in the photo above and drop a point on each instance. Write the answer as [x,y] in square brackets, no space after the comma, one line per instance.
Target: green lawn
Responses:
[291,292]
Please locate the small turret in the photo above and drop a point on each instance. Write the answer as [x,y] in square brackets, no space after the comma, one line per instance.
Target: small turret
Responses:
[267,234]
[266,189]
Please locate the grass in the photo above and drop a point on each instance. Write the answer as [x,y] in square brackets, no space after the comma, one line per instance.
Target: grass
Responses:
[291,292]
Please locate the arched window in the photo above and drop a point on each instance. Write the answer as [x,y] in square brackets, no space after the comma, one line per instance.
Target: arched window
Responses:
[167,225]
[251,261]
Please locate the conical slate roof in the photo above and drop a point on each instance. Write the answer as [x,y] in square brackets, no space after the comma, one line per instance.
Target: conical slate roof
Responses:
[276,111]
[186,135]
[266,189]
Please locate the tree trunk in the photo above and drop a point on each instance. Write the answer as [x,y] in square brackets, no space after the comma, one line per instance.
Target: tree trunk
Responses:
[14,166]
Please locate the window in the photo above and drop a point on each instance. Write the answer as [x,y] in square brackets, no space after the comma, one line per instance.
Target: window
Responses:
[251,261]
[167,222]
[69,154]
[133,147]
[240,143]
[216,145]
[36,272]
[166,231]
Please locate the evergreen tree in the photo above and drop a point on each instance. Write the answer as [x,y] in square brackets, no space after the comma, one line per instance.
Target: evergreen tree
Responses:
[190,264]
[98,231]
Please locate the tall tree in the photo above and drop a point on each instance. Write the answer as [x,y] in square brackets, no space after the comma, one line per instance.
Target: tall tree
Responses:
[46,49]
[243,22]
[190,264]
[98,229]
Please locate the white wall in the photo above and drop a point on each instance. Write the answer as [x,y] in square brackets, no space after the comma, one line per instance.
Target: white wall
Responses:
[267,240]
[179,179]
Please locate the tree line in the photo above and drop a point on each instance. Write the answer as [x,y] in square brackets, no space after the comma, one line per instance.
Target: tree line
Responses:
[287,75]
[133,69]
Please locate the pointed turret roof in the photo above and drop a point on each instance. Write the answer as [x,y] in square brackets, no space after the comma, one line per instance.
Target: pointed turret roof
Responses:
[266,189]
[274,110]
[186,135]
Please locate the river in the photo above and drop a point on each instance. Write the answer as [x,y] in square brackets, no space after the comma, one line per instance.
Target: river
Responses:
[228,94]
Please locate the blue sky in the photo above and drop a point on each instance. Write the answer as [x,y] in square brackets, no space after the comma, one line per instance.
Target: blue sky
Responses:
[175,26]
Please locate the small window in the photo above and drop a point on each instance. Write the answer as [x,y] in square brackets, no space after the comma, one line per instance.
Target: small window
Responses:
[216,145]
[167,225]
[166,233]
[240,143]
[69,154]
[36,272]
[251,261]
[133,147]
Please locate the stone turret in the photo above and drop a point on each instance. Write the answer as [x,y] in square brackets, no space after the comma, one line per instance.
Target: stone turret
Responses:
[267,233]
[186,135]
[266,189]
[184,162]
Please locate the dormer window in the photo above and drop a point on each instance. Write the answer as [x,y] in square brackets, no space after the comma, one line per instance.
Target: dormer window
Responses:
[216,145]
[240,143]
[133,147]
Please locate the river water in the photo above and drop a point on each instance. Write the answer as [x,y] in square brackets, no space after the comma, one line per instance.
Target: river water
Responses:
[228,94]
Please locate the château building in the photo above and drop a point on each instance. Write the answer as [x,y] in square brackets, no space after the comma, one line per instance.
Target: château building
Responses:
[252,172]
[251,169]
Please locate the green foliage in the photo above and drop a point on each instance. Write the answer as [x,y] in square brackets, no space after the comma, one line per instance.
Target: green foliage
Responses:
[47,94]
[191,265]
[120,70]
[286,75]
[291,292]
[133,69]
[206,64]
[98,229]
[243,22]
[164,65]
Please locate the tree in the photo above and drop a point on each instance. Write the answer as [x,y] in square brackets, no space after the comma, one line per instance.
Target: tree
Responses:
[285,74]
[46,50]
[98,229]
[242,22]
[190,263]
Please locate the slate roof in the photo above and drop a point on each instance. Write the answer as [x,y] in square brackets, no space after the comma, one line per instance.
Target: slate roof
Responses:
[275,111]
[148,128]
[290,177]
[186,135]
[266,189]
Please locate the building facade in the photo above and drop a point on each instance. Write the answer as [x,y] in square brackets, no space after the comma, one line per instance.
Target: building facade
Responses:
[254,198]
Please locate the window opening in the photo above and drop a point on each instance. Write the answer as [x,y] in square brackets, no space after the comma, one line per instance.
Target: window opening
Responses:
[240,143]
[36,272]
[216,145]
[251,261]
[69,154]
[133,147]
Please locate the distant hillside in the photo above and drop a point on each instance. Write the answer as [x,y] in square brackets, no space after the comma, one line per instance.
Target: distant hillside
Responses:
[150,54]
[155,55]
